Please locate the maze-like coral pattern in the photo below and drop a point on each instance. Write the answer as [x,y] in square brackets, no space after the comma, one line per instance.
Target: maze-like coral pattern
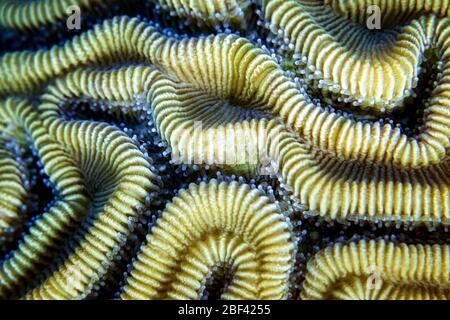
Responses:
[333,122]
[378,270]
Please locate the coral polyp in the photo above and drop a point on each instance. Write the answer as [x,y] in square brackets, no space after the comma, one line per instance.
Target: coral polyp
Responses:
[209,149]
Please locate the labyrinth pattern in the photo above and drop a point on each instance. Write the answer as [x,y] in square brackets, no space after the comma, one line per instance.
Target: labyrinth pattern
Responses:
[224,149]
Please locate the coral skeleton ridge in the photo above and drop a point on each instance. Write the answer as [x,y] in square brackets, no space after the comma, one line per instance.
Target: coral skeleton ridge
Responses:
[211,225]
[378,270]
[232,149]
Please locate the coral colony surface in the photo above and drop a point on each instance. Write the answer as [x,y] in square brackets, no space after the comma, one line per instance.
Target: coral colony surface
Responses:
[224,149]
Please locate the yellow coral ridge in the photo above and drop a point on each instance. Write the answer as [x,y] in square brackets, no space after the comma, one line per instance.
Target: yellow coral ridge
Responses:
[118,179]
[238,72]
[102,179]
[371,171]
[392,12]
[30,14]
[330,186]
[248,78]
[120,39]
[376,270]
[12,190]
[223,100]
[196,123]
[376,71]
[209,225]
[36,247]
[339,189]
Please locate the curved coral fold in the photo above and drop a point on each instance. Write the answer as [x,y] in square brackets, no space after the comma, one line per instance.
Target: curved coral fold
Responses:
[121,39]
[195,121]
[118,179]
[375,71]
[391,12]
[210,224]
[263,85]
[378,270]
[101,179]
[340,190]
[46,234]
[251,78]
[33,14]
[221,97]
[352,123]
[12,189]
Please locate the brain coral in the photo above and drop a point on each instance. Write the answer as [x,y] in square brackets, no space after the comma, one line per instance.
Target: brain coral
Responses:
[379,270]
[213,149]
